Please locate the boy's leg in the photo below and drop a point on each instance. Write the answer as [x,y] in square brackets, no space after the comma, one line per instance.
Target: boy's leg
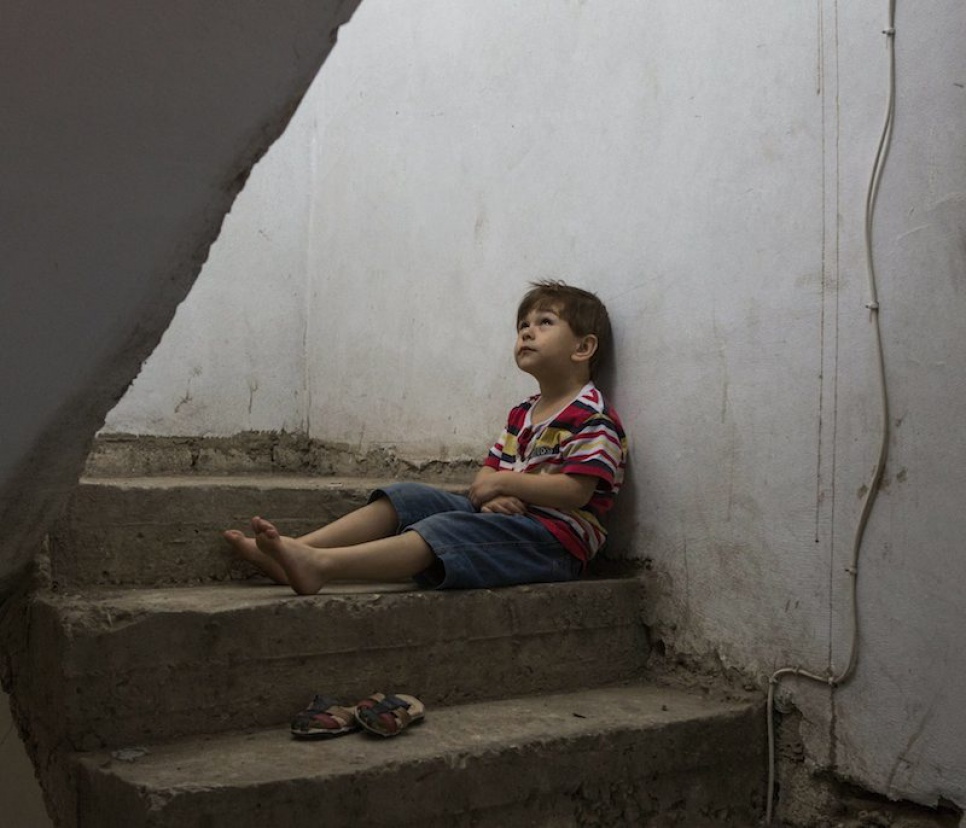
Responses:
[390,510]
[309,568]
[377,519]
[474,551]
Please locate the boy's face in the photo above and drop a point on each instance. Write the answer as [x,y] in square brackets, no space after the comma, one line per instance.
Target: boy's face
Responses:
[547,346]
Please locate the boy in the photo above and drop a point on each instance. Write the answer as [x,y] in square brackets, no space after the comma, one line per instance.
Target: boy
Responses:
[533,511]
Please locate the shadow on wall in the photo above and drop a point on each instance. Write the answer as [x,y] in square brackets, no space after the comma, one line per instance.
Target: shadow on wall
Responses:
[623,530]
[115,182]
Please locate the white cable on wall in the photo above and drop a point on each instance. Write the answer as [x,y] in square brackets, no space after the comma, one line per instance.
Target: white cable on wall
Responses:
[832,679]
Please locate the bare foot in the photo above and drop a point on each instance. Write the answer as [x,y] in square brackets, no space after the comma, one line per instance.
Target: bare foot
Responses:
[305,566]
[244,546]
[248,549]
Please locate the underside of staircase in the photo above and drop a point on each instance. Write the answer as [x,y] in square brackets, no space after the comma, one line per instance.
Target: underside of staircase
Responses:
[154,676]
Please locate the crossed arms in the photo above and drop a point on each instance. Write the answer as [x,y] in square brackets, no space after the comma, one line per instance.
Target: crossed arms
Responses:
[509,492]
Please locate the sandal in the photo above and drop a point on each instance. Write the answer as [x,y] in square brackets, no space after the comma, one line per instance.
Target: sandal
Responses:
[389,715]
[324,718]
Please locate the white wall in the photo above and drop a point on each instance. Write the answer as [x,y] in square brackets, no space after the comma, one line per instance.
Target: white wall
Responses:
[703,167]
[234,356]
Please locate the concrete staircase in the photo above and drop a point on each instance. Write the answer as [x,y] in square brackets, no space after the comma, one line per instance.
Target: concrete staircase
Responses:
[156,678]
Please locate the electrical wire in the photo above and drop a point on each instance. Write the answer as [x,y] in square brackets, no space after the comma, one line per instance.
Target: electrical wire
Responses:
[831,679]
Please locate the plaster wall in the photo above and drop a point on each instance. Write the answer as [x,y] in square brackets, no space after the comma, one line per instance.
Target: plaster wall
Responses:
[234,357]
[703,168]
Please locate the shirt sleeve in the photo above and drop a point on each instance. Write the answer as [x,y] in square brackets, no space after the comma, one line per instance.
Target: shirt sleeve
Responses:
[504,451]
[597,449]
[495,454]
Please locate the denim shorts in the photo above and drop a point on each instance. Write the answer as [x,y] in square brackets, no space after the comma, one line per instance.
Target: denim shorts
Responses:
[476,549]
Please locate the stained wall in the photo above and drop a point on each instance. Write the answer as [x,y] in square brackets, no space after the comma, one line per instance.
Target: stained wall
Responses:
[704,168]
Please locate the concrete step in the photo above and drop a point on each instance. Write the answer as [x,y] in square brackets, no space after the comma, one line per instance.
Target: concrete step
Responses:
[620,756]
[115,667]
[154,531]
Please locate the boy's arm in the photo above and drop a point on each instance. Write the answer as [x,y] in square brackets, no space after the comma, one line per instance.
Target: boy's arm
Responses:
[556,491]
[501,505]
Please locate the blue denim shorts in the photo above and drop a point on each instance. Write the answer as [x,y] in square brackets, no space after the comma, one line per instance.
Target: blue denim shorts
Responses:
[476,549]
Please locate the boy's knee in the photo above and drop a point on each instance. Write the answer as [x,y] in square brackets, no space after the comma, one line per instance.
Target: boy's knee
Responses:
[414,501]
[404,488]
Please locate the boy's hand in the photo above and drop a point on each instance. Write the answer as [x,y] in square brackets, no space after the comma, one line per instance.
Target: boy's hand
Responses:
[485,488]
[505,505]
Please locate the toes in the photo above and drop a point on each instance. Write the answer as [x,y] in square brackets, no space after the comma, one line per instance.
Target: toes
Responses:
[234,537]
[263,527]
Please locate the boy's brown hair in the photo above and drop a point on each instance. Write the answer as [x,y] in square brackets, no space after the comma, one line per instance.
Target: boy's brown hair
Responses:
[579,308]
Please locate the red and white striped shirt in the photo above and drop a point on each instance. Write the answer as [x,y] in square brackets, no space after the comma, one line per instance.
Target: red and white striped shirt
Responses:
[585,438]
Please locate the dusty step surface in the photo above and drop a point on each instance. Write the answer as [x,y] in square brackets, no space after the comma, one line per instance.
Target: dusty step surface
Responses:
[111,667]
[634,755]
[152,531]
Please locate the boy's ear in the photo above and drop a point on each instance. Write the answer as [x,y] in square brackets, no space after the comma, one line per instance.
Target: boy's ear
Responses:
[586,348]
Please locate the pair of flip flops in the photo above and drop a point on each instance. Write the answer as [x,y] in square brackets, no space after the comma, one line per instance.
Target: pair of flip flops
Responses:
[382,714]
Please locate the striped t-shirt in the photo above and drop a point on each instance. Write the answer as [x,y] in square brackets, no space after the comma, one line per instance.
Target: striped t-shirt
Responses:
[585,438]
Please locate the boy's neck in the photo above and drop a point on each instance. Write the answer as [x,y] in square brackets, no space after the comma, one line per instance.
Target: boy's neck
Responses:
[557,390]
